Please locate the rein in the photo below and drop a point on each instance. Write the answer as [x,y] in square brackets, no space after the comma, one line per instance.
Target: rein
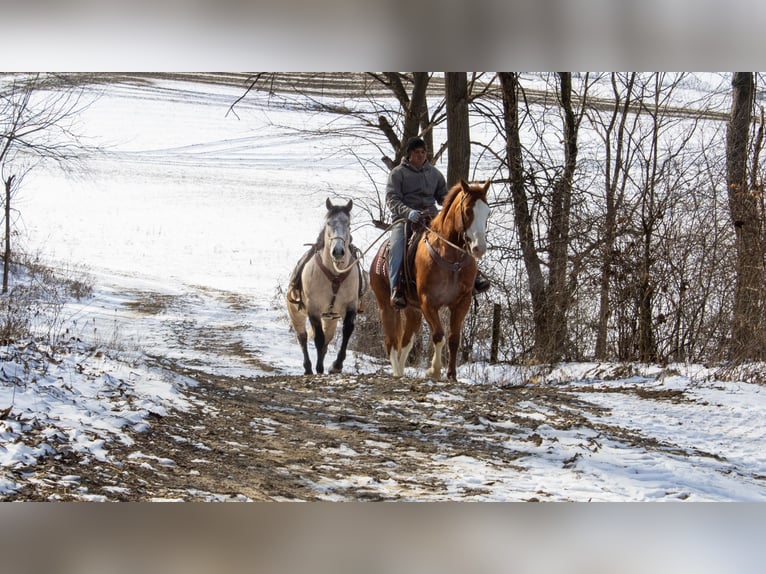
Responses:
[433,252]
[455,266]
[363,253]
[340,275]
[358,260]
[447,241]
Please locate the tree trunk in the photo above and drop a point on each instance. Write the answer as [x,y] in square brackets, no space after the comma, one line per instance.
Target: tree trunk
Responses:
[611,180]
[415,113]
[558,233]
[496,333]
[647,351]
[550,303]
[458,132]
[747,336]
[7,254]
[521,212]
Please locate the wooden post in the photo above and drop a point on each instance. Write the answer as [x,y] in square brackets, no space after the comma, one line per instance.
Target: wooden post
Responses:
[495,333]
[7,257]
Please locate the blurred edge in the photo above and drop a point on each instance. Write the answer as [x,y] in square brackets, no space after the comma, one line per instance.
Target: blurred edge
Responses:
[184,35]
[357,538]
[401,538]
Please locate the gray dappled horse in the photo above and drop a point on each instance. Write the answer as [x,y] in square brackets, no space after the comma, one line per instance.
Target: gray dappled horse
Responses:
[326,290]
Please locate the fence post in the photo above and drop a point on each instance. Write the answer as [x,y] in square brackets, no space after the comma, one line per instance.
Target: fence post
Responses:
[495,333]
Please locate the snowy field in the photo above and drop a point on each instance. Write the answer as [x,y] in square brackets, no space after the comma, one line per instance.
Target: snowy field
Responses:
[210,212]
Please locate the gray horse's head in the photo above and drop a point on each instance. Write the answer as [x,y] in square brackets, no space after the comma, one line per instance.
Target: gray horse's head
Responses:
[337,230]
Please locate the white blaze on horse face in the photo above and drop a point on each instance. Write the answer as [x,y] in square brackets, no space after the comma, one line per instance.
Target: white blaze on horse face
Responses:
[476,234]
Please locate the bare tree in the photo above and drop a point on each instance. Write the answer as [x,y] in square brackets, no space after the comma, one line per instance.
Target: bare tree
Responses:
[521,211]
[7,213]
[747,341]
[558,229]
[550,300]
[664,155]
[459,136]
[612,237]
[37,124]
[694,264]
[613,135]
[392,104]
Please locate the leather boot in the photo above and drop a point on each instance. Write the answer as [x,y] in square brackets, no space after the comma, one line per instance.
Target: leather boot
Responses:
[398,300]
[481,284]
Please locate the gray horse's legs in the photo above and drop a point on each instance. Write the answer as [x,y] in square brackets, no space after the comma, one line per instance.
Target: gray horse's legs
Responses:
[303,340]
[348,328]
[319,342]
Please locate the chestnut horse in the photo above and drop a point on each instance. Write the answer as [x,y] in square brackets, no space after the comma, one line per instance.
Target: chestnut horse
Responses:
[444,272]
[329,289]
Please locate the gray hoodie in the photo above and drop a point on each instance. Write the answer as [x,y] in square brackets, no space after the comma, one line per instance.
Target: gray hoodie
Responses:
[410,188]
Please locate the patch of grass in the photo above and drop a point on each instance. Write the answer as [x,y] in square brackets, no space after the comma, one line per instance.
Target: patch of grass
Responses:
[35,298]
[147,303]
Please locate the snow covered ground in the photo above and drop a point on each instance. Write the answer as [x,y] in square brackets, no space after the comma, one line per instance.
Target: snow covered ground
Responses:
[207,214]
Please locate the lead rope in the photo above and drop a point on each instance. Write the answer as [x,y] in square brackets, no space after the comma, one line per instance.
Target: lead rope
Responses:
[363,253]
[447,241]
[385,231]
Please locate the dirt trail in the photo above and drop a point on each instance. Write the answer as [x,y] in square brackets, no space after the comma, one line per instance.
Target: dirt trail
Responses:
[330,437]
[345,437]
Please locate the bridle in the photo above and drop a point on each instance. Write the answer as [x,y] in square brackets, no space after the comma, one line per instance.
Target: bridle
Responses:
[346,243]
[341,239]
[447,241]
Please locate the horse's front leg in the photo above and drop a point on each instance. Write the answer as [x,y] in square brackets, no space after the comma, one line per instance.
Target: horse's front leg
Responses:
[298,319]
[437,337]
[348,328]
[319,341]
[412,321]
[303,341]
[457,316]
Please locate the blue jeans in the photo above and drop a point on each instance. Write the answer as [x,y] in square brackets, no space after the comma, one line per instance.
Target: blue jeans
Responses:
[397,242]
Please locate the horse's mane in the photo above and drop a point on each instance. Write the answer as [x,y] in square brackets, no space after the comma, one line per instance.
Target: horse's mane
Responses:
[319,243]
[438,221]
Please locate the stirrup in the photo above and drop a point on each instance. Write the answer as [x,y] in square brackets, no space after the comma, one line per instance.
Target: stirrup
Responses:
[296,298]
[398,300]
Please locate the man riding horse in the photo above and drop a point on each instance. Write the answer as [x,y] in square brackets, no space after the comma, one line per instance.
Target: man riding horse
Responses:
[414,188]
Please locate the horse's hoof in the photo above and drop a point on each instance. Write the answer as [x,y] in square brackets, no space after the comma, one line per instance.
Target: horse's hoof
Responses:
[335,370]
[431,374]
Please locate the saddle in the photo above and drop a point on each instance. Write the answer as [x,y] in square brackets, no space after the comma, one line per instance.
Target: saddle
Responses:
[407,274]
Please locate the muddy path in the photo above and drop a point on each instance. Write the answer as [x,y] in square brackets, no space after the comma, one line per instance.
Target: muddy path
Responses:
[366,436]
[336,437]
